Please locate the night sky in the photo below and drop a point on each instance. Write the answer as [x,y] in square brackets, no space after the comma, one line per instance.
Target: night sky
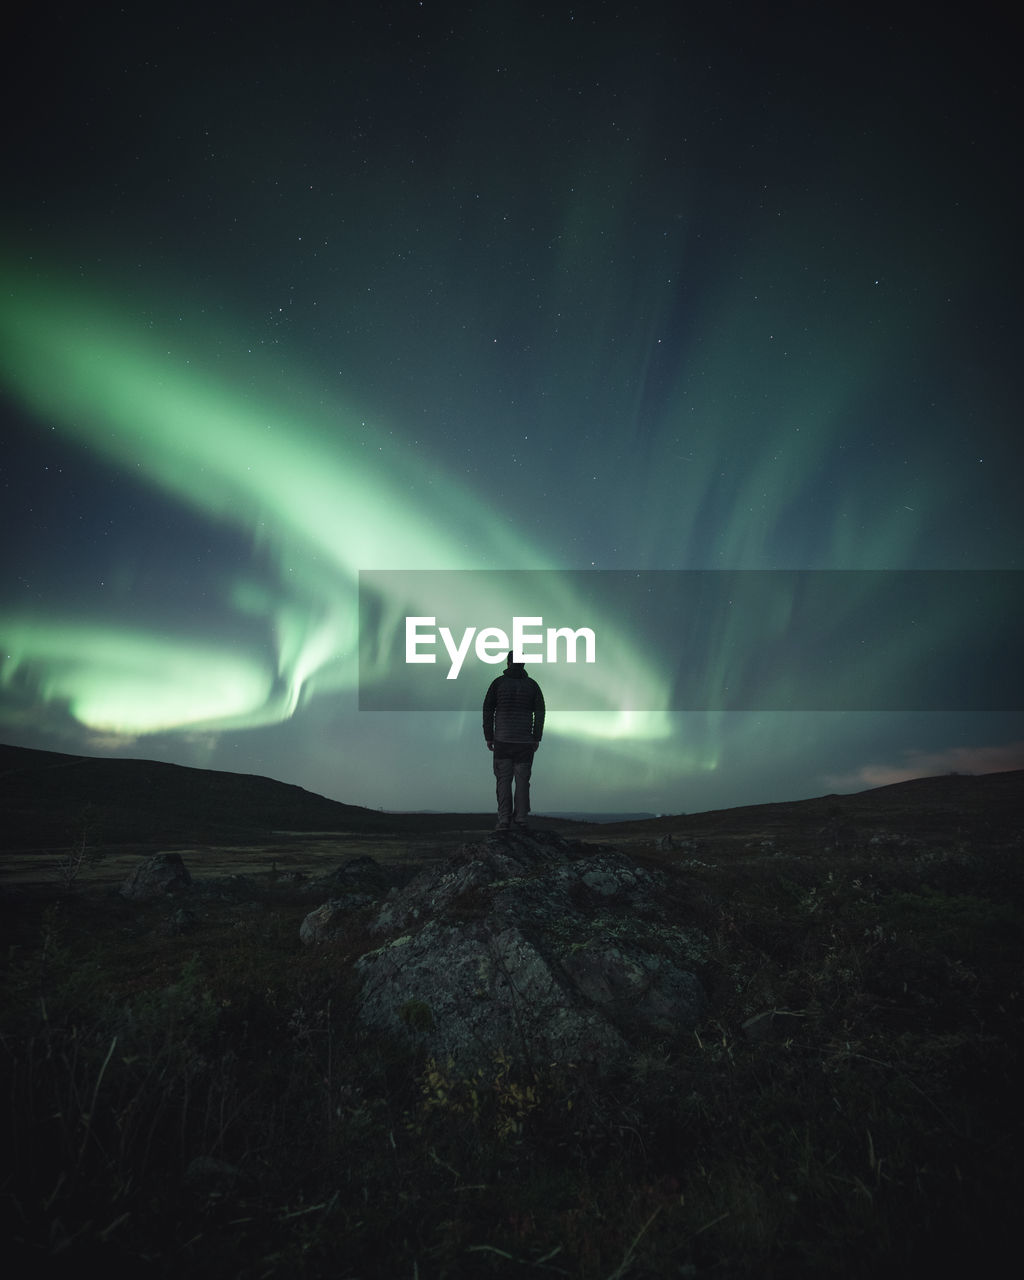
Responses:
[290,295]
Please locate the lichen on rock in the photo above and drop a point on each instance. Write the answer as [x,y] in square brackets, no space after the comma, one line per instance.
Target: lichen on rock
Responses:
[534,947]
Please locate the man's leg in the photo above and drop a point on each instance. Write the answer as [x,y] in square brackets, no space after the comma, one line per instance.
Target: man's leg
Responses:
[503,768]
[523,769]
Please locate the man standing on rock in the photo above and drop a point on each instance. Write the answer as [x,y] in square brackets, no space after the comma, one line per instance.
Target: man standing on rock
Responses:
[513,725]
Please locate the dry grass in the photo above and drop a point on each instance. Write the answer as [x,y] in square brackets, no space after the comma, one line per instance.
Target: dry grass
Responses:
[201,1102]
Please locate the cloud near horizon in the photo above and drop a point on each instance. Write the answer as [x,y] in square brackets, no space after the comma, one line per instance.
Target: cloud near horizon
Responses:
[929,764]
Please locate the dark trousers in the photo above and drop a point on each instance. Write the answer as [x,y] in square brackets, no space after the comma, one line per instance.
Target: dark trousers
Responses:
[513,763]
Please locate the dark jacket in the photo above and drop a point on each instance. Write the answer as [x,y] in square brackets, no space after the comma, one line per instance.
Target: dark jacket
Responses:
[514,708]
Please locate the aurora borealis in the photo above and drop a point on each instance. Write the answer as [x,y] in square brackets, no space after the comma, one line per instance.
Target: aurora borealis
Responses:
[451,287]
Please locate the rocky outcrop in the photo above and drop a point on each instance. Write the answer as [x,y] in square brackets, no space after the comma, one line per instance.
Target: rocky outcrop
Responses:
[531,946]
[160,874]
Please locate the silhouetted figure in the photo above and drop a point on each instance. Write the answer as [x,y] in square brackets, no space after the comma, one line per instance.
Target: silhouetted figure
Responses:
[513,725]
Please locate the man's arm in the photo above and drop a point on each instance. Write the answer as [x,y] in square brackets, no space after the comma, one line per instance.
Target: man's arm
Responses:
[538,715]
[490,701]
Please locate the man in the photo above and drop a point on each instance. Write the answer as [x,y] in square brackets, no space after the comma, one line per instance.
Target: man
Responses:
[513,725]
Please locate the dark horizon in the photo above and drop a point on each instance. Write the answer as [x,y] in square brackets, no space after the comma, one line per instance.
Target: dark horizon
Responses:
[128,801]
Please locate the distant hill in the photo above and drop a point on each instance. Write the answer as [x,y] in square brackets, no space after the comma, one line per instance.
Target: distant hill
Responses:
[47,798]
[582,816]
[989,805]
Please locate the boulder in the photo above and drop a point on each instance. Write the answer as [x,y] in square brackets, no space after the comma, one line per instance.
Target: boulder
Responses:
[327,922]
[535,947]
[363,875]
[159,874]
[357,883]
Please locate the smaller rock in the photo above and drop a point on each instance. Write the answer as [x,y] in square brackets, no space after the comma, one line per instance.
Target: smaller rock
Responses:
[329,920]
[183,921]
[364,875]
[160,874]
[366,872]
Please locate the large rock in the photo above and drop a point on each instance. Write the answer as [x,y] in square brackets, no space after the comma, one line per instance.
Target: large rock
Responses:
[160,874]
[531,946]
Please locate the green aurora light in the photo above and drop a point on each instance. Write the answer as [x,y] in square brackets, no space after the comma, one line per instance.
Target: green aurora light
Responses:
[305,486]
